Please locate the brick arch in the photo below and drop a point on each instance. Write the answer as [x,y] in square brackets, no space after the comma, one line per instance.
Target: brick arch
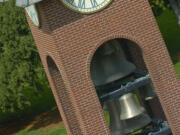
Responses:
[108,38]
[62,97]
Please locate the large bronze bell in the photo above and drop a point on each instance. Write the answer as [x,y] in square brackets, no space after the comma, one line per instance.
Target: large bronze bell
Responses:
[109,64]
[116,125]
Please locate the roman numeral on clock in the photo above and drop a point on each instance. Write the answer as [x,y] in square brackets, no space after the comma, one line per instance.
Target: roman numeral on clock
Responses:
[81,4]
[94,3]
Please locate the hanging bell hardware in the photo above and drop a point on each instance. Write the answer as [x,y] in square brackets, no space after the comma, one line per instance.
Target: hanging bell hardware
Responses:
[148,92]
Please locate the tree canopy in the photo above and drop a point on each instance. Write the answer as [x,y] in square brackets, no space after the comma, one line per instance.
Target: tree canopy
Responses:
[159,5]
[20,66]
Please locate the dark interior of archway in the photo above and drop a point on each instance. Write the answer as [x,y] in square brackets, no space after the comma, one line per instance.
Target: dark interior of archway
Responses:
[105,67]
[62,97]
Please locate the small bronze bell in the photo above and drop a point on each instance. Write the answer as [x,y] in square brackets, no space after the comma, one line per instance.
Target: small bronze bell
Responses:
[133,120]
[129,107]
[132,114]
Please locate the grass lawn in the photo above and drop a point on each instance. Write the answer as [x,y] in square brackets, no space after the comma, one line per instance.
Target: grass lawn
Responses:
[177,68]
[171,34]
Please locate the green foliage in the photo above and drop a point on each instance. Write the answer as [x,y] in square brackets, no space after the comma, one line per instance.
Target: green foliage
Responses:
[39,104]
[158,6]
[170,31]
[20,66]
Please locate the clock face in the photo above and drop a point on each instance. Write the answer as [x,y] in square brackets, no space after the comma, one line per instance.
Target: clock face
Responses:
[33,14]
[86,6]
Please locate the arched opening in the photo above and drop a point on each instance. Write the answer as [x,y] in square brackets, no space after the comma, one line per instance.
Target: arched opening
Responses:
[125,89]
[63,99]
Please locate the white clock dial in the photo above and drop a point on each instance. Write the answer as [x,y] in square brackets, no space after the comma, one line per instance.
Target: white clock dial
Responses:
[33,14]
[86,6]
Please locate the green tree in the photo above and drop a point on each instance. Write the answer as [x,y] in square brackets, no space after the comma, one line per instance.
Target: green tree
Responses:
[158,6]
[20,66]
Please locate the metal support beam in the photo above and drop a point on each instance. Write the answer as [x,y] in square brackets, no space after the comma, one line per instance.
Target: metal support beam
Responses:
[124,89]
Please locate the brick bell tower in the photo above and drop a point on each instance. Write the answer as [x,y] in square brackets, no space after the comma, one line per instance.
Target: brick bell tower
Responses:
[69,35]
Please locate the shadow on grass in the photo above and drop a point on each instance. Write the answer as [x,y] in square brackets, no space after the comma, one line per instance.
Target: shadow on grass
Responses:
[43,121]
[15,126]
[46,120]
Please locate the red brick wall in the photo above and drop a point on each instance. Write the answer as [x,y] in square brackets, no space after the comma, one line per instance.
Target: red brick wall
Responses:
[71,39]
[63,98]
